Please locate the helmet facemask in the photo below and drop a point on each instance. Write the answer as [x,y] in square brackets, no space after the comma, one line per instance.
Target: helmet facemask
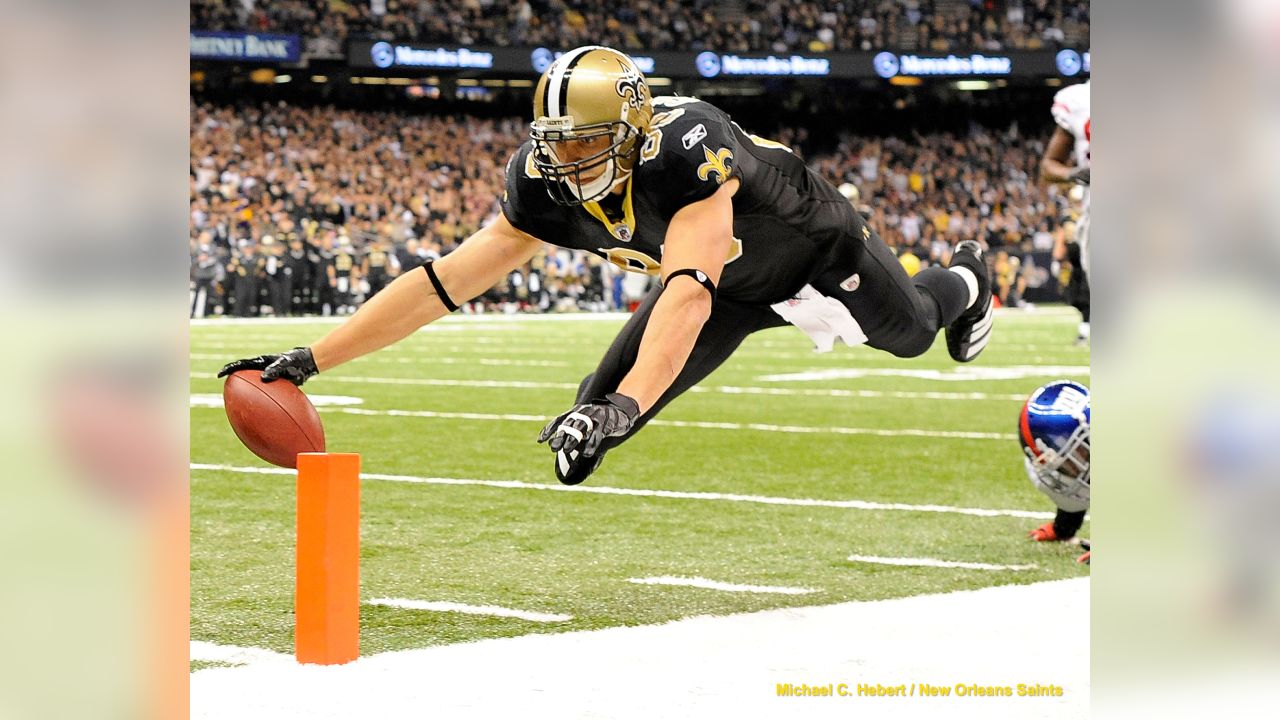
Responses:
[1066,470]
[576,180]
[591,111]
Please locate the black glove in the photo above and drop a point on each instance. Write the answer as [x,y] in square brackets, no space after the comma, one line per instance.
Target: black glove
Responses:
[1079,175]
[296,366]
[588,424]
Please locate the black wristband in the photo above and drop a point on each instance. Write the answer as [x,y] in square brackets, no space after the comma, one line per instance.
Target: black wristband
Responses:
[435,283]
[697,275]
[626,403]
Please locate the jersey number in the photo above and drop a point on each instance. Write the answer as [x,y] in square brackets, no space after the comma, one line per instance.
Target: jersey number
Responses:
[636,261]
[653,139]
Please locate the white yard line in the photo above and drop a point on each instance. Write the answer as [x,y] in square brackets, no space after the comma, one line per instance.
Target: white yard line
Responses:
[670,494]
[437,360]
[697,389]
[432,382]
[702,425]
[463,347]
[708,667]
[704,583]
[833,430]
[486,318]
[930,562]
[489,610]
[233,655]
[841,393]
[213,400]
[964,373]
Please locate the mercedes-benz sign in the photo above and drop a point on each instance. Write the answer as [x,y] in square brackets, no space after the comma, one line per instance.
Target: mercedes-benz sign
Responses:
[1069,62]
[886,64]
[384,56]
[708,64]
[542,59]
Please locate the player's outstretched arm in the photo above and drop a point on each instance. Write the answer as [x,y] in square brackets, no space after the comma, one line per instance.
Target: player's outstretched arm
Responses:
[698,238]
[410,301]
[405,305]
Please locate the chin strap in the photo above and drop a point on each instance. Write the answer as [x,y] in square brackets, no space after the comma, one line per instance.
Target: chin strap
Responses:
[697,275]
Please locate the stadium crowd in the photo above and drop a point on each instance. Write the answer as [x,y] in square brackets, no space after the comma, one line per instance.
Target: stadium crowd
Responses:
[724,25]
[313,209]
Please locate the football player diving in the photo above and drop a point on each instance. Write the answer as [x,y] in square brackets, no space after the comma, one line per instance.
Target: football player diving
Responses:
[740,233]
[1053,429]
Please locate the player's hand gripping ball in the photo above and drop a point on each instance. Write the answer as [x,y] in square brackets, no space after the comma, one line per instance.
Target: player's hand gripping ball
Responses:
[275,420]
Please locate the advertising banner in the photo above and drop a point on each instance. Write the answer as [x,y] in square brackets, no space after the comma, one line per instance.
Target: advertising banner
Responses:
[245,46]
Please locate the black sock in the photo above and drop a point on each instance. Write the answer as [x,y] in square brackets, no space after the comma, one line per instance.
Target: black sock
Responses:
[945,290]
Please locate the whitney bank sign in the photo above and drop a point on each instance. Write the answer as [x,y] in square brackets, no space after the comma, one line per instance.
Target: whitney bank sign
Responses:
[207,45]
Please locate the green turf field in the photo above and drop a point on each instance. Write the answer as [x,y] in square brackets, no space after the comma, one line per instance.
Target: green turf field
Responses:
[572,553]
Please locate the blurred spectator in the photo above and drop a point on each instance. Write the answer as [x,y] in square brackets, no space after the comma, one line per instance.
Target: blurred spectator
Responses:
[277,272]
[246,269]
[301,267]
[378,266]
[745,26]
[343,276]
[205,274]
[930,191]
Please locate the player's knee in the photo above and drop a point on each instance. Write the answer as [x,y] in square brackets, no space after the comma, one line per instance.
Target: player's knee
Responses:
[914,342]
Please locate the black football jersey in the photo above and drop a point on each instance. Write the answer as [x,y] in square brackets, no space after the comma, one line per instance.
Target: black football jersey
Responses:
[786,217]
[343,261]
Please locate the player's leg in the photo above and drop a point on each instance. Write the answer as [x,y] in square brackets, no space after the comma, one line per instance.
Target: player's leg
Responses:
[1082,239]
[902,314]
[1082,330]
[728,325]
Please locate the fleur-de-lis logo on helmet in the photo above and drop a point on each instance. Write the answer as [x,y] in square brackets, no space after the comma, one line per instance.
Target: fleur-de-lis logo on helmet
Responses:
[630,85]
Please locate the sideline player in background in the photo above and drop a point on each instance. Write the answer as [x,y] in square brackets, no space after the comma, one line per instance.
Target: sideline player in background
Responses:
[1066,160]
[1053,429]
[740,233]
[1070,271]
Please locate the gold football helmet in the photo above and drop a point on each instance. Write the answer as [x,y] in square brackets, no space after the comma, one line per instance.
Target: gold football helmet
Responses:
[591,111]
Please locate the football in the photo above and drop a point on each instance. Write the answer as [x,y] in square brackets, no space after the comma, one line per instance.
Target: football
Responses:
[274,420]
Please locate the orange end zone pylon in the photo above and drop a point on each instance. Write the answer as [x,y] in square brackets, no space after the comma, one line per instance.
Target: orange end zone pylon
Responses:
[327,599]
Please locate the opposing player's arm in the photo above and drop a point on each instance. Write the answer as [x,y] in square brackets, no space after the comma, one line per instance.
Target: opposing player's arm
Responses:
[1056,165]
[411,301]
[698,238]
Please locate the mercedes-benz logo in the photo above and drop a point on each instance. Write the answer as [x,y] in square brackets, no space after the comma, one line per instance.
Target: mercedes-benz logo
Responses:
[886,64]
[542,59]
[1069,62]
[384,56]
[708,64]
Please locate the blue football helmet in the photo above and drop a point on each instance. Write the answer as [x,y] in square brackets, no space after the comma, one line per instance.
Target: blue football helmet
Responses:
[1053,428]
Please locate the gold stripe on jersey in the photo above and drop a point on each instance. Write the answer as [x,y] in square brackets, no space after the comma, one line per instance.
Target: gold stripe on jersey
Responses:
[622,230]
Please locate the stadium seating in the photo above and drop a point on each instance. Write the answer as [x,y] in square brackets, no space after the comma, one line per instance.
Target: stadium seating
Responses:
[435,179]
[723,25]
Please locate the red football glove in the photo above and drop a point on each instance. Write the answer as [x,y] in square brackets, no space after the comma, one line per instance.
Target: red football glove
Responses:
[1044,533]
